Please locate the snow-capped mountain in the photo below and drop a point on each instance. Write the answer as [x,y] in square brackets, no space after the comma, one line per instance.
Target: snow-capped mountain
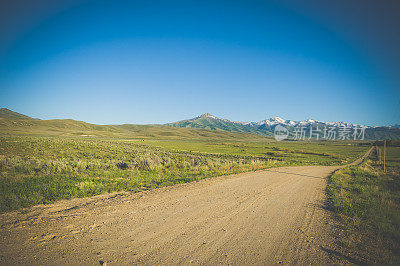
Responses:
[270,122]
[266,127]
[276,120]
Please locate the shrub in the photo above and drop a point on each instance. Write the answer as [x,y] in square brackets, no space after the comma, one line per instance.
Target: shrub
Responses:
[122,165]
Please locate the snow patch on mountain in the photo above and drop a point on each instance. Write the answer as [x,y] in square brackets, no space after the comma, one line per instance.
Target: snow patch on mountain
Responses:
[276,120]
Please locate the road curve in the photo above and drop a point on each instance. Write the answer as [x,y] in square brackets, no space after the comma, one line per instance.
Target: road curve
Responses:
[265,217]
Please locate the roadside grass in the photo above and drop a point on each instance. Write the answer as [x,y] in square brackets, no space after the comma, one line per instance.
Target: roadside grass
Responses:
[40,170]
[367,204]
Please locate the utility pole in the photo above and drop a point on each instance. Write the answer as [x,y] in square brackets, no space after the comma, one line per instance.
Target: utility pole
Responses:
[377,151]
[384,157]
[380,156]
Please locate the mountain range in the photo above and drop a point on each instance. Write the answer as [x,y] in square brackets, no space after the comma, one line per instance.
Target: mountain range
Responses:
[266,127]
[203,126]
[208,121]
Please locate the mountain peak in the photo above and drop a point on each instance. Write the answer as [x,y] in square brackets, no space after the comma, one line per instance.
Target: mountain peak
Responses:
[206,115]
[278,119]
[272,121]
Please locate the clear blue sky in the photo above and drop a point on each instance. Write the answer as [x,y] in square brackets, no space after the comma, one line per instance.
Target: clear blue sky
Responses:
[113,62]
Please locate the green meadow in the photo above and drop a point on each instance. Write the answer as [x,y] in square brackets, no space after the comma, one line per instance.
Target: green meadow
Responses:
[43,169]
[289,152]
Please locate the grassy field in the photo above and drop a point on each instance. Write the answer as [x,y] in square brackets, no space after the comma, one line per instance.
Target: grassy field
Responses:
[39,170]
[289,152]
[367,203]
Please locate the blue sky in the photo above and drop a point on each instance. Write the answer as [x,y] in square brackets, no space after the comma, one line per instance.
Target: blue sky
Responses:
[113,62]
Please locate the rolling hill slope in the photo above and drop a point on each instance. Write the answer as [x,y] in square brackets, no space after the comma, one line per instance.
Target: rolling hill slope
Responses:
[15,123]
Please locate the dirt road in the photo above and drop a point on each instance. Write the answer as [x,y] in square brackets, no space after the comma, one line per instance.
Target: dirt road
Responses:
[266,217]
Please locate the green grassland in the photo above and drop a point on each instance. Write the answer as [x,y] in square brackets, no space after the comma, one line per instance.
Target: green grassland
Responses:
[44,169]
[367,203]
[289,152]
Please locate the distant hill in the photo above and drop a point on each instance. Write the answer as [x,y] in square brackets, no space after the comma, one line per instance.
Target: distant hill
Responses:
[12,121]
[15,123]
